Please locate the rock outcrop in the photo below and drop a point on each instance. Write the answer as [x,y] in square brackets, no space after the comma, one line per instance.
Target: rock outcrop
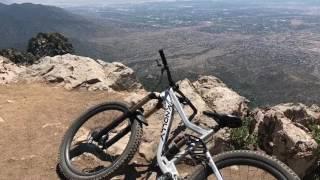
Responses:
[73,72]
[9,72]
[189,90]
[220,97]
[283,132]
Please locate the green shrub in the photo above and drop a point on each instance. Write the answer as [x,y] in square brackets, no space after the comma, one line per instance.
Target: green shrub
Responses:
[49,44]
[18,57]
[241,137]
[315,131]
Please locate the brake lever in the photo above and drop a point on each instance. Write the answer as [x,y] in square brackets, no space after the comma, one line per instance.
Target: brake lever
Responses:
[162,70]
[188,102]
[182,100]
[158,63]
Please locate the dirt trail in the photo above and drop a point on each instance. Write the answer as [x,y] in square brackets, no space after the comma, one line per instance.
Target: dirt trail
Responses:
[33,119]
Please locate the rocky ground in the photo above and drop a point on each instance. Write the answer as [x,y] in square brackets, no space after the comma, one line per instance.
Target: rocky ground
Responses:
[38,103]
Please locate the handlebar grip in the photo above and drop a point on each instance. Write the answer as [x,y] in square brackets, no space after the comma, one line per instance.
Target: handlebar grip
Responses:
[166,68]
[163,58]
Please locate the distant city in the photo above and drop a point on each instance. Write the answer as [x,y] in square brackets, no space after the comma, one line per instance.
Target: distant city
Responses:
[268,51]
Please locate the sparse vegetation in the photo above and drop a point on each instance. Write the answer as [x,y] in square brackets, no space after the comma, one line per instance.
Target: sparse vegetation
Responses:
[241,137]
[18,57]
[315,131]
[49,44]
[44,44]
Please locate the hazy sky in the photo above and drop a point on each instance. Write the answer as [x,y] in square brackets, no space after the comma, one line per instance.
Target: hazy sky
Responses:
[66,3]
[78,2]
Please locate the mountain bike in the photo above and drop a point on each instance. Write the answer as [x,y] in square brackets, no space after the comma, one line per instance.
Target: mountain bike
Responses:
[106,137]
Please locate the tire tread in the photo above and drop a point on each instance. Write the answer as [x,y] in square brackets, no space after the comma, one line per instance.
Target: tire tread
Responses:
[202,171]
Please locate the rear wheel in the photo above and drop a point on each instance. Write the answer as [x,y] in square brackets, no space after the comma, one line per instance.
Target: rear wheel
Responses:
[83,158]
[246,165]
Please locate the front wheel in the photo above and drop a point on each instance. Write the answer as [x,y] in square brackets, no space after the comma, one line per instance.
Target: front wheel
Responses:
[242,164]
[83,158]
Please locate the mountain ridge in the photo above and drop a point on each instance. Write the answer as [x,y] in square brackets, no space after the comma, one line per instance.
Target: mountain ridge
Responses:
[19,22]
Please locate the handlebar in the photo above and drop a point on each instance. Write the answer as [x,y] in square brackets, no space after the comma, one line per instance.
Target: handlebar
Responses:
[166,68]
[163,58]
[173,84]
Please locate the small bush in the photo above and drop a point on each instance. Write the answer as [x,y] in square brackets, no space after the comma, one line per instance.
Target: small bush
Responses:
[44,44]
[315,131]
[241,137]
[49,44]
[18,57]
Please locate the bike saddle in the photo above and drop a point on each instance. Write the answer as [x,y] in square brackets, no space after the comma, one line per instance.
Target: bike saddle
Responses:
[224,120]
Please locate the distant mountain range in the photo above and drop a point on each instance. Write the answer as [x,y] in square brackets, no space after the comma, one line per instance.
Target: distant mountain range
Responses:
[20,22]
[4,2]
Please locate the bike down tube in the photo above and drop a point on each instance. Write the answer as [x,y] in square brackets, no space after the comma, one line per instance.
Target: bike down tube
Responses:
[165,165]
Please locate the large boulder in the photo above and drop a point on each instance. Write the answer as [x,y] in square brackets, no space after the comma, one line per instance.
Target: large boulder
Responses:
[192,93]
[281,132]
[300,113]
[9,72]
[122,77]
[18,57]
[220,97]
[73,72]
[49,44]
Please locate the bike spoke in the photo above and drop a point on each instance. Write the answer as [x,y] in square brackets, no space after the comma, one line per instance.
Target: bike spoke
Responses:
[117,137]
[87,155]
[88,148]
[110,127]
[243,172]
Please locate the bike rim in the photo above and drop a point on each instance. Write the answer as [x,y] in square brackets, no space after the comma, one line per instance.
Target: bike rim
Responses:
[92,163]
[245,161]
[243,172]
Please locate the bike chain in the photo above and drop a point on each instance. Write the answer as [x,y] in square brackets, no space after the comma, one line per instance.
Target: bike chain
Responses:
[196,148]
[166,176]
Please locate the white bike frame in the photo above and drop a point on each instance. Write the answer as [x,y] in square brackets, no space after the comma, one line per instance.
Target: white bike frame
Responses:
[171,103]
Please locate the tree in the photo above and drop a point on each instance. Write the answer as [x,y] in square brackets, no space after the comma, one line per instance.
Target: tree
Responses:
[49,44]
